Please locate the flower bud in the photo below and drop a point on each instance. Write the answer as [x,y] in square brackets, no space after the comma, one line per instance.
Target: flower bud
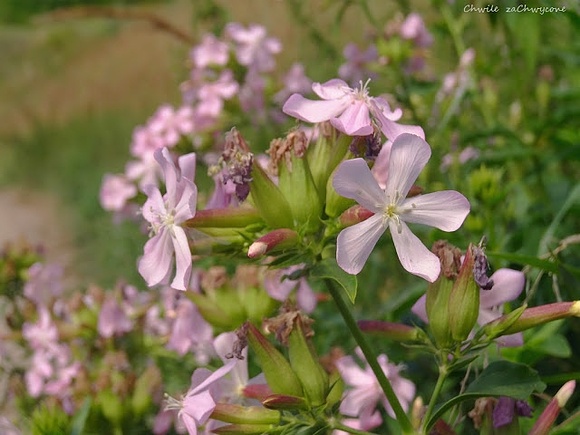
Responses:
[231,217]
[336,389]
[219,308]
[277,370]
[464,298]
[285,402]
[243,429]
[550,413]
[535,316]
[275,240]
[353,215]
[231,413]
[295,180]
[392,331]
[269,201]
[305,364]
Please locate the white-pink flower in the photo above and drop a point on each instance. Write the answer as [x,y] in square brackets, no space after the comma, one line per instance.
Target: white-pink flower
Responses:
[116,191]
[254,48]
[355,69]
[445,210]
[365,392]
[165,214]
[508,284]
[211,51]
[198,404]
[351,111]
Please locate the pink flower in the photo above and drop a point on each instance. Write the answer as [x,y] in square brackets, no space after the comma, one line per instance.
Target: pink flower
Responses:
[211,95]
[354,70]
[44,283]
[294,81]
[254,48]
[190,332]
[211,51]
[165,214]
[351,111]
[445,210]
[413,28]
[279,288]
[115,191]
[508,284]
[365,393]
[112,319]
[198,404]
[169,124]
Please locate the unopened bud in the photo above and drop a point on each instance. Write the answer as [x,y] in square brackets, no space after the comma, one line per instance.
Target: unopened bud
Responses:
[285,402]
[305,364]
[273,241]
[354,215]
[277,370]
[538,316]
[232,413]
[464,298]
[550,413]
[231,217]
[392,331]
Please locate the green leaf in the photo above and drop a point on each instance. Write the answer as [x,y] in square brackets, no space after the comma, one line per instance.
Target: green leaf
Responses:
[328,268]
[500,378]
[548,237]
[547,265]
[80,419]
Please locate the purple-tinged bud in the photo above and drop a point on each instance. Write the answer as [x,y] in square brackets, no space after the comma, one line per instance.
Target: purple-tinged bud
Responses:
[277,370]
[354,215]
[536,316]
[257,391]
[285,402]
[480,268]
[276,240]
[464,299]
[243,429]
[231,217]
[392,331]
[238,414]
[550,413]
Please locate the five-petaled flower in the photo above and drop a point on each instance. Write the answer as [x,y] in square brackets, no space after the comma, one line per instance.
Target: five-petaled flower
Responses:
[351,111]
[165,214]
[445,210]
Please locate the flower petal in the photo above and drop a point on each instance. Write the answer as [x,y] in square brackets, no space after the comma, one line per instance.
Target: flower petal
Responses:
[409,155]
[313,111]
[507,286]
[355,244]
[198,406]
[164,159]
[445,210]
[331,90]
[155,265]
[182,259]
[154,206]
[185,208]
[355,120]
[413,255]
[353,179]
[420,309]
[187,166]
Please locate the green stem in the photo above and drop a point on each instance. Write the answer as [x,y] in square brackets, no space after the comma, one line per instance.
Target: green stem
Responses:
[339,426]
[370,356]
[443,372]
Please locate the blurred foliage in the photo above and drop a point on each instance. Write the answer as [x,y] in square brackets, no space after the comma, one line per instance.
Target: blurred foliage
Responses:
[21,11]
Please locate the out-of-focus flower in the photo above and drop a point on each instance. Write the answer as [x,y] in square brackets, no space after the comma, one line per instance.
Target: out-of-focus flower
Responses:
[112,319]
[464,156]
[365,393]
[190,332]
[279,288]
[508,284]
[351,111]
[254,48]
[445,210]
[355,69]
[198,404]
[366,422]
[211,51]
[115,191]
[44,283]
[211,95]
[506,409]
[295,81]
[413,28]
[252,95]
[170,124]
[165,214]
